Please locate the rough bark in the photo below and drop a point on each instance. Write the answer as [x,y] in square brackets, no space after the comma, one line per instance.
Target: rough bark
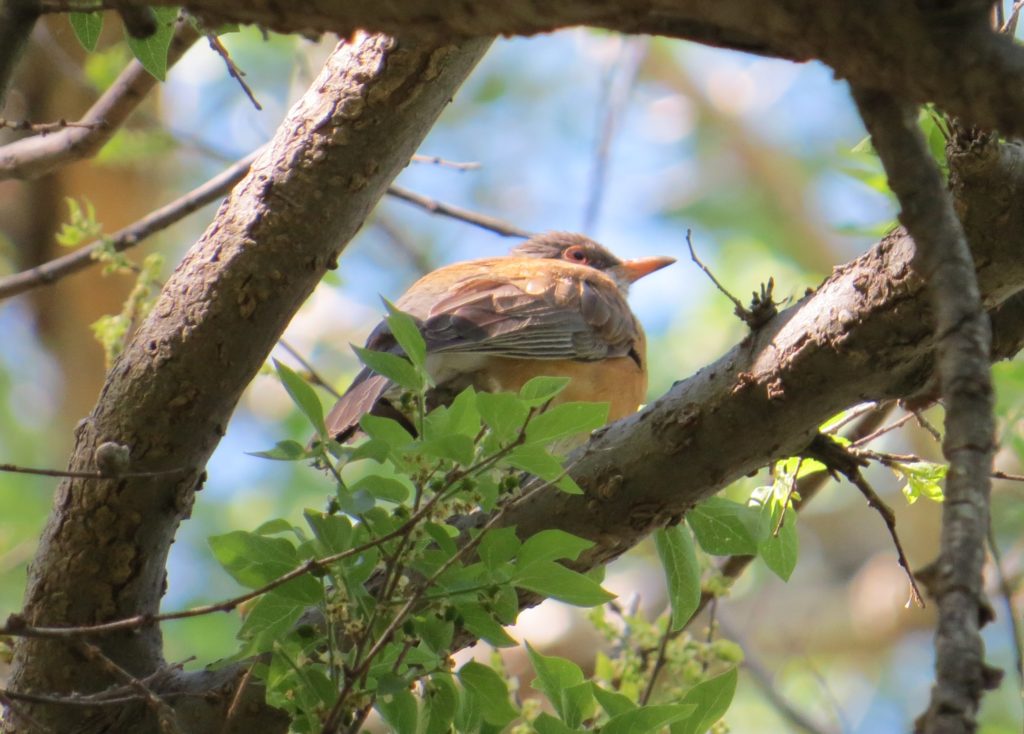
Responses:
[947,52]
[864,334]
[169,396]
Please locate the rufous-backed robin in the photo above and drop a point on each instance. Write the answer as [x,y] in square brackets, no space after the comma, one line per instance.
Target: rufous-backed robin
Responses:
[556,306]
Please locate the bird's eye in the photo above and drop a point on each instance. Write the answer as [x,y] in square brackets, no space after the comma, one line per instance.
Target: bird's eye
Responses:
[576,255]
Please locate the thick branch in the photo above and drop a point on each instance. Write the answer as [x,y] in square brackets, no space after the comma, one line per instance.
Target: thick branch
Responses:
[40,154]
[939,52]
[964,339]
[865,334]
[171,393]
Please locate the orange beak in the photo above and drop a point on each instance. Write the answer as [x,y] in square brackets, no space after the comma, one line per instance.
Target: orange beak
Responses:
[633,270]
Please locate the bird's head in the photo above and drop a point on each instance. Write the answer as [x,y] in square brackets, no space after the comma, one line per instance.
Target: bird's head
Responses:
[580,250]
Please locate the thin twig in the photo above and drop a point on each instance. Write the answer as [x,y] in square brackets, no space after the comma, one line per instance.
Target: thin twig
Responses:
[620,81]
[484,221]
[233,69]
[883,430]
[923,422]
[762,306]
[659,662]
[166,718]
[38,155]
[15,469]
[437,161]
[10,700]
[857,479]
[45,128]
[1006,591]
[851,415]
[763,678]
[236,699]
[129,236]
[311,373]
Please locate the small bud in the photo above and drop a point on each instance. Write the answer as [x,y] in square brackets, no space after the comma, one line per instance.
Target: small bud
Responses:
[112,459]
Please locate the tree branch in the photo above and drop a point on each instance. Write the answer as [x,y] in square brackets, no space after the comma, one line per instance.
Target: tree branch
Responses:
[940,44]
[40,154]
[963,345]
[169,396]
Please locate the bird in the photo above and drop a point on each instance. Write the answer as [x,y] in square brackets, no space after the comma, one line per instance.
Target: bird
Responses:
[554,306]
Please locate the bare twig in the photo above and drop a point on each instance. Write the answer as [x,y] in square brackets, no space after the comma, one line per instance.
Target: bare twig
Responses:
[765,682]
[444,162]
[45,128]
[166,718]
[621,79]
[436,207]
[15,469]
[10,701]
[1006,591]
[902,420]
[131,235]
[236,700]
[38,155]
[964,337]
[857,479]
[762,307]
[233,69]
[311,373]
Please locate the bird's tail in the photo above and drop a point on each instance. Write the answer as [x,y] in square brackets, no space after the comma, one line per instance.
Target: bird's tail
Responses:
[367,390]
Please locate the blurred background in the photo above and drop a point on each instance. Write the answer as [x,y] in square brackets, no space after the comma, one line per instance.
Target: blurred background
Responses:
[633,141]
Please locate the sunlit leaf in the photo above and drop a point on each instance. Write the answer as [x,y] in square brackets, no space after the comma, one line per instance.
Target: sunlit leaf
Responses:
[682,572]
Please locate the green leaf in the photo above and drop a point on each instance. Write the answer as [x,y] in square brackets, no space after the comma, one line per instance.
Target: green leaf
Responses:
[551,545]
[613,703]
[436,633]
[480,622]
[386,430]
[565,420]
[383,488]
[282,451]
[779,552]
[333,531]
[545,723]
[440,701]
[269,618]
[503,413]
[924,479]
[152,51]
[647,719]
[682,572]
[407,333]
[251,559]
[489,689]
[540,390]
[397,369]
[456,447]
[87,28]
[537,461]
[304,397]
[562,681]
[399,710]
[498,547]
[461,417]
[724,527]
[554,580]
[711,699]
[443,535]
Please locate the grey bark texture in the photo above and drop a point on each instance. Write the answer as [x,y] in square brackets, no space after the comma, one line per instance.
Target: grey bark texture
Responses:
[170,395]
[864,334]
